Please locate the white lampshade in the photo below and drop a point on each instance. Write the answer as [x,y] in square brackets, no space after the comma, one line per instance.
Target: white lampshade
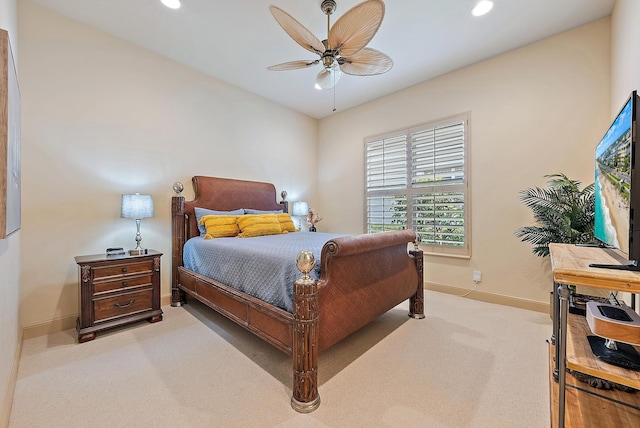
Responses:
[328,78]
[300,208]
[136,206]
[171,4]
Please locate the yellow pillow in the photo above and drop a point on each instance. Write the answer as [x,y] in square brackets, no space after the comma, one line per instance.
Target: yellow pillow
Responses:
[286,224]
[220,226]
[258,225]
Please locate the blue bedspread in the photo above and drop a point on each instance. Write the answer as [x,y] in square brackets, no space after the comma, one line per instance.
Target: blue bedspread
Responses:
[264,266]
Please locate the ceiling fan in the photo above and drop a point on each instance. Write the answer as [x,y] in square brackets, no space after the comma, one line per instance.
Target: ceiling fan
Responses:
[343,51]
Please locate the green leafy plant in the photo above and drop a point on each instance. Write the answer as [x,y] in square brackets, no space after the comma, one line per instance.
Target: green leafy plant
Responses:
[563,212]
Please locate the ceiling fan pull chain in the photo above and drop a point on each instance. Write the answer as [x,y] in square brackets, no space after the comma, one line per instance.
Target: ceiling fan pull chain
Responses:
[334,93]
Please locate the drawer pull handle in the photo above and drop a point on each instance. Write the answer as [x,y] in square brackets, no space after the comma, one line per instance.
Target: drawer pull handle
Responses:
[118,305]
[124,269]
[124,283]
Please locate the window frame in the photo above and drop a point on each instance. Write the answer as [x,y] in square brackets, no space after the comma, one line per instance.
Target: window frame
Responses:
[410,190]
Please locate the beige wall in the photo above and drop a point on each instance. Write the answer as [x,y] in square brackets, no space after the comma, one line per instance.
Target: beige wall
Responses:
[625,57]
[102,117]
[9,266]
[537,110]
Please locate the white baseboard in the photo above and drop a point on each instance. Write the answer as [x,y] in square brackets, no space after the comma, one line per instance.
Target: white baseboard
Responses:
[66,323]
[490,297]
[48,327]
[11,386]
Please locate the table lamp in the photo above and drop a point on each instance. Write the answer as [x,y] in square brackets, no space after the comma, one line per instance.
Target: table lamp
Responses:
[300,209]
[137,206]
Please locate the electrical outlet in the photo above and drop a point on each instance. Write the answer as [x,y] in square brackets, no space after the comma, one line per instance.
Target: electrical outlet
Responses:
[477,276]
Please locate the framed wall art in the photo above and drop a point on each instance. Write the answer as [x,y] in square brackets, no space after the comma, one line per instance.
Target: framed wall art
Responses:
[9,140]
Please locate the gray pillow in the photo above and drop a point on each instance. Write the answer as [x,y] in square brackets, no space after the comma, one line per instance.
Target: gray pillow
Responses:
[250,211]
[201,212]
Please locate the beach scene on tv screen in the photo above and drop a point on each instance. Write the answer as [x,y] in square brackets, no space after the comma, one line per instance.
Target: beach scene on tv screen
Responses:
[613,183]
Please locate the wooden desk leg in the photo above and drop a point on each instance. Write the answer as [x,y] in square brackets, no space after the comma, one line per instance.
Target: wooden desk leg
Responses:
[563,292]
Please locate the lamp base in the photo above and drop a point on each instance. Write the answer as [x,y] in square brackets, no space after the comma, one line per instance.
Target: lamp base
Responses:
[137,252]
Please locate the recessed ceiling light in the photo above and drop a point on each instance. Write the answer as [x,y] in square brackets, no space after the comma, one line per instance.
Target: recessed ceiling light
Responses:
[482,7]
[173,4]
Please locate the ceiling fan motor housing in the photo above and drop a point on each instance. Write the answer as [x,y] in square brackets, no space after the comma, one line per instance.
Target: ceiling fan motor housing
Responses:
[328,6]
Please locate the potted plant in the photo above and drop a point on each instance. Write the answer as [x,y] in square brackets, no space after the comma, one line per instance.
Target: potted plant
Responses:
[563,212]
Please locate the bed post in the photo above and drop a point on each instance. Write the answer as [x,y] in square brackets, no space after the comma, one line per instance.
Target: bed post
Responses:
[177,242]
[416,302]
[305,396]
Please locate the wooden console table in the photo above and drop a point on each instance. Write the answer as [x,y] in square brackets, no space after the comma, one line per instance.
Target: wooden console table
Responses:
[570,266]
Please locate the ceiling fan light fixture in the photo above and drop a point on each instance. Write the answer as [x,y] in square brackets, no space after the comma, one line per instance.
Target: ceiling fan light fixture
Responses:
[328,78]
[171,4]
[483,7]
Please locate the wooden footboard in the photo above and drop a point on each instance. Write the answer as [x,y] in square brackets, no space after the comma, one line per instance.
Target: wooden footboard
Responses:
[361,277]
[376,271]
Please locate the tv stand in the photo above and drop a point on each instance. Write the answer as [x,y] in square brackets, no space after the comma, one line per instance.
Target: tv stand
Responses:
[570,265]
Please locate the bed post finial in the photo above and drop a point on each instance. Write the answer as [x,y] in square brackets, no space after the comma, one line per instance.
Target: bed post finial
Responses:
[284,202]
[305,263]
[305,397]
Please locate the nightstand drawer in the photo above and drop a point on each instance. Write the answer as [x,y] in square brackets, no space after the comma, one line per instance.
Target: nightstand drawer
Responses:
[123,283]
[124,268]
[122,304]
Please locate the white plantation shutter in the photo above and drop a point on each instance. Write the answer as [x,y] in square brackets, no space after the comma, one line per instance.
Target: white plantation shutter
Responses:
[417,178]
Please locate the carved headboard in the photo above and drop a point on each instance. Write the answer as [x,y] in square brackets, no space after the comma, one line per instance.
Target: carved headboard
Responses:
[221,194]
[225,194]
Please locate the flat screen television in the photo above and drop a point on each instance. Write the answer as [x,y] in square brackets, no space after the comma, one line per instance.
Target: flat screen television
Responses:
[617,186]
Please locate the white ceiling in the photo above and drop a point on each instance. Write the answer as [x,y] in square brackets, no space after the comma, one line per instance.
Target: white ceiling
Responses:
[236,40]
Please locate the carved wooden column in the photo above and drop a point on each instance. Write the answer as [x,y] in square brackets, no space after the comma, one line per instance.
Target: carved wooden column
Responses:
[85,318]
[156,290]
[178,233]
[305,397]
[416,302]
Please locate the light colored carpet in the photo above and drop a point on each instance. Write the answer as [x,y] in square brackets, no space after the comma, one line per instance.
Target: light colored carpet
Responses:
[468,364]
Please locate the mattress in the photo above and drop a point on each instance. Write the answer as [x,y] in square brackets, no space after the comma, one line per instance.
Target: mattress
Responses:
[263,266]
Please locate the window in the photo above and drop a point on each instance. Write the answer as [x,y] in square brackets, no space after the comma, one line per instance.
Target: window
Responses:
[418,178]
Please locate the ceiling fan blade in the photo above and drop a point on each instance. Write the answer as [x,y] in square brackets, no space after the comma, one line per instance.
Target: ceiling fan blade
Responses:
[297,31]
[367,62]
[293,65]
[328,77]
[353,30]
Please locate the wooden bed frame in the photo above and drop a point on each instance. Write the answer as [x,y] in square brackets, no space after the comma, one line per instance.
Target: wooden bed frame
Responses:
[362,277]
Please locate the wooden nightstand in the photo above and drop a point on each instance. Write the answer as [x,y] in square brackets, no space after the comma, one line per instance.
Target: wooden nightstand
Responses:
[116,290]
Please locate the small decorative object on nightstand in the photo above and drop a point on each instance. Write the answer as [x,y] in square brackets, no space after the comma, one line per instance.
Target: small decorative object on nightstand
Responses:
[312,219]
[116,290]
